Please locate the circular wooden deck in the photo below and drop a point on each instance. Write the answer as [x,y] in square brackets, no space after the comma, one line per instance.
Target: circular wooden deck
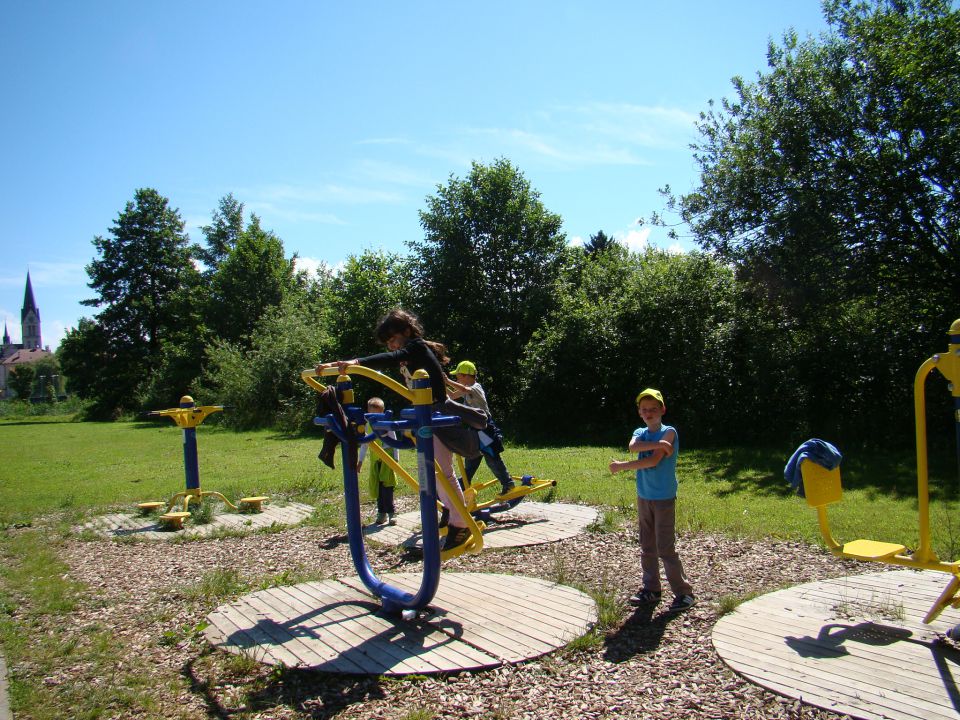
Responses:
[475,621]
[529,523]
[149,527]
[854,645]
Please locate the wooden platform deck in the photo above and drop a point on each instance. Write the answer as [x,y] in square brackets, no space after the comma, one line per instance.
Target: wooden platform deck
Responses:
[475,621]
[529,523]
[853,645]
[149,527]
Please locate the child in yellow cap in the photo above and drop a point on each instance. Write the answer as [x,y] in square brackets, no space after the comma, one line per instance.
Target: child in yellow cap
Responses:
[656,446]
[467,390]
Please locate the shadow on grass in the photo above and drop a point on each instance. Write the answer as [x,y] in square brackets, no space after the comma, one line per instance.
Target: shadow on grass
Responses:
[760,472]
[323,695]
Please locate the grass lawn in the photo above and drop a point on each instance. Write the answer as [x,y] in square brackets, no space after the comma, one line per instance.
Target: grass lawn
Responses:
[88,468]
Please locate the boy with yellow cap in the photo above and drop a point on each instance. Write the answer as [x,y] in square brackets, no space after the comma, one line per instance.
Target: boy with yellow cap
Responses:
[468,391]
[656,473]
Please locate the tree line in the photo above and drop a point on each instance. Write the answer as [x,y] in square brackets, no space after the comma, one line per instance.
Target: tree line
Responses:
[827,269]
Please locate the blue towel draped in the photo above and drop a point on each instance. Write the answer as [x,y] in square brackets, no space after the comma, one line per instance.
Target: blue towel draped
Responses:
[819,451]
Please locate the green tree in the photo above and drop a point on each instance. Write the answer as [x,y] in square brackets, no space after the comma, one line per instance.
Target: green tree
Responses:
[601,242]
[222,233]
[843,159]
[261,383]
[21,379]
[628,321]
[146,282]
[831,184]
[486,270]
[253,277]
[366,287]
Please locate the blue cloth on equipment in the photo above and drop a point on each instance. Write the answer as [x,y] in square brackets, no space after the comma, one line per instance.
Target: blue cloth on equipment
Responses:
[819,451]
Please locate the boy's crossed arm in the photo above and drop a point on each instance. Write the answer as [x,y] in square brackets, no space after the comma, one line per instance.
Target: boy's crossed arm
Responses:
[658,449]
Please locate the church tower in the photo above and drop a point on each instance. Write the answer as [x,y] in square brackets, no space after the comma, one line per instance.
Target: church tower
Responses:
[30,319]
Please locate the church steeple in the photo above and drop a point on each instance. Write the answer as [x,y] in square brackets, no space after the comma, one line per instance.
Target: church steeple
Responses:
[30,319]
[6,335]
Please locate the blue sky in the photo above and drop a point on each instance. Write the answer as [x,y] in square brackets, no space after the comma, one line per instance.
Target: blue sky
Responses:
[334,121]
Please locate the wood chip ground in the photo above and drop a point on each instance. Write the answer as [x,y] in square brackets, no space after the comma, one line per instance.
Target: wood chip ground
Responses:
[649,664]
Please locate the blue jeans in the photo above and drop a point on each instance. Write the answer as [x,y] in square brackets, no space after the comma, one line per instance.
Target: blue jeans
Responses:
[495,463]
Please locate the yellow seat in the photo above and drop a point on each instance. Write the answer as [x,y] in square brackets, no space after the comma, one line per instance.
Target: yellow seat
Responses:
[871,550]
[174,520]
[253,503]
[151,506]
[820,486]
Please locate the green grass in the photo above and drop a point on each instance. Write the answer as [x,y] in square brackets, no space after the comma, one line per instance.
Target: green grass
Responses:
[90,467]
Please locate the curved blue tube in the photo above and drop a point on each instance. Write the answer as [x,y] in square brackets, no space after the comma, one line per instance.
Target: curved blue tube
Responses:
[393,599]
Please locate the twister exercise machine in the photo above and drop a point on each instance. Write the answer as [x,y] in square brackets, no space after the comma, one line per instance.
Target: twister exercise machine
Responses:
[822,487]
[188,416]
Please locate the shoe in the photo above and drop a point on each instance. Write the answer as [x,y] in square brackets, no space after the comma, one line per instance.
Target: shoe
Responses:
[682,602]
[645,597]
[444,518]
[504,488]
[456,536]
[381,519]
[391,520]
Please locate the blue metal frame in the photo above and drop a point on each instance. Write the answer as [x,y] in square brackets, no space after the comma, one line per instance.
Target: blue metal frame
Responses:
[421,421]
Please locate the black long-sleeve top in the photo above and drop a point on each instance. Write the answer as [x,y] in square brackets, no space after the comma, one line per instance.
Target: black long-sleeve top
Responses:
[417,356]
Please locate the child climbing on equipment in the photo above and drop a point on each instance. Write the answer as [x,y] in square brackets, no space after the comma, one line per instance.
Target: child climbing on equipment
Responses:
[402,333]
[467,390]
[381,478]
[656,467]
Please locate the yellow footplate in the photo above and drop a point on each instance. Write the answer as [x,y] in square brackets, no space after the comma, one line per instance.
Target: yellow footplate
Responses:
[871,549]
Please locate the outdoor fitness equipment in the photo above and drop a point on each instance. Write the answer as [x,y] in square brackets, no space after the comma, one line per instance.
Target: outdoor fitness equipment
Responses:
[418,421]
[188,416]
[822,487]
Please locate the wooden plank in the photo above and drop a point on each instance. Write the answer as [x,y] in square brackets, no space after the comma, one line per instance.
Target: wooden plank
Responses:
[265,637]
[469,601]
[485,637]
[827,687]
[287,644]
[367,628]
[337,621]
[866,668]
[556,609]
[223,627]
[831,608]
[449,657]
[860,662]
[775,637]
[440,657]
[488,638]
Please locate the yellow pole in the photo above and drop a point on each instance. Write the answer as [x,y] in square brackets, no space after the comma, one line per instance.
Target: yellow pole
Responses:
[924,552]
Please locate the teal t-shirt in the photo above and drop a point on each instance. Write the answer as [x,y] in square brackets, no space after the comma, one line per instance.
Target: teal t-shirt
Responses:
[660,481]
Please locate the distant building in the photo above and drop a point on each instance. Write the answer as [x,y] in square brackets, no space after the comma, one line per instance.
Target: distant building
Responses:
[31,349]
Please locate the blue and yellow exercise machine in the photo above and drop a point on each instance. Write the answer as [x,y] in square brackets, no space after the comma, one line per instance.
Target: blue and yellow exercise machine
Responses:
[414,428]
[188,416]
[822,488]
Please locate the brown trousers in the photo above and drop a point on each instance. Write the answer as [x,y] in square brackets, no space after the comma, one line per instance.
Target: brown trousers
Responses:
[657,520]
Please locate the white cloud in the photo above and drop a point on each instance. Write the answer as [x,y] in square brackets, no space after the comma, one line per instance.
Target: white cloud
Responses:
[635,240]
[637,125]
[311,265]
[606,134]
[576,241]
